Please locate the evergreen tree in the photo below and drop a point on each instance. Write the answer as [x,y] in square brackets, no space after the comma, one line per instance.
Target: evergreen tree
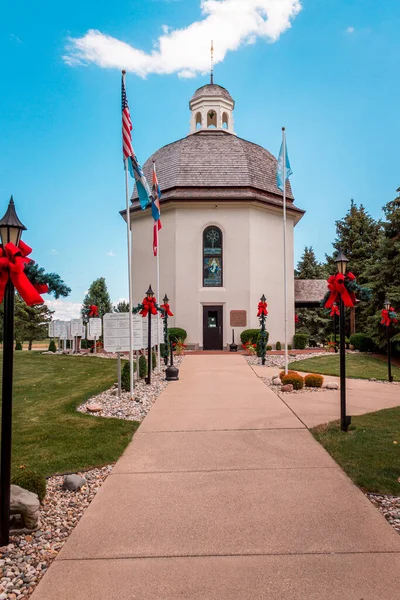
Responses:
[31,322]
[384,273]
[122,307]
[308,267]
[99,296]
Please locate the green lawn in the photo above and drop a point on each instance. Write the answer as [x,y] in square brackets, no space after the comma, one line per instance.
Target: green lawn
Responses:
[49,436]
[358,366]
[367,453]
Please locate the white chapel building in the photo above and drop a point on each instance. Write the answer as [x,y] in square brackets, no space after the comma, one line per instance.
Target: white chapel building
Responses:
[221,243]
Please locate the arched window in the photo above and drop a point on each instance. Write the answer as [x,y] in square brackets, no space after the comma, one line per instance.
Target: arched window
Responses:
[212,257]
[211,118]
[225,121]
[198,121]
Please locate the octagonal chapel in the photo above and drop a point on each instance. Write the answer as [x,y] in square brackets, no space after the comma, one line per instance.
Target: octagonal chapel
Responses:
[221,243]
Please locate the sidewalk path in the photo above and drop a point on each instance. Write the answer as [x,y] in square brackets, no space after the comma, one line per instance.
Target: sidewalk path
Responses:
[223,494]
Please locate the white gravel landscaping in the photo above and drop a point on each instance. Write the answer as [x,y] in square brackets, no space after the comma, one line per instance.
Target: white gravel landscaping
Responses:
[389,507]
[26,559]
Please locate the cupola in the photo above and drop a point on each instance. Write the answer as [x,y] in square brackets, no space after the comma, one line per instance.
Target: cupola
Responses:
[212,108]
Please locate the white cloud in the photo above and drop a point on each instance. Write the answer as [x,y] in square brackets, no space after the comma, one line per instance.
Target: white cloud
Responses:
[350,30]
[111,253]
[230,23]
[64,309]
[53,251]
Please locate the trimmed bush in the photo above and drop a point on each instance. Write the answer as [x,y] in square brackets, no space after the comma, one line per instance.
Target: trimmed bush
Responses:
[176,333]
[295,379]
[142,366]
[289,347]
[259,342]
[18,346]
[278,346]
[300,341]
[282,373]
[153,360]
[361,342]
[31,481]
[126,376]
[52,346]
[269,348]
[313,381]
[249,335]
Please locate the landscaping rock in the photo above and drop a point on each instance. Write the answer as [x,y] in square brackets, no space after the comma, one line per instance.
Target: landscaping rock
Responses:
[287,388]
[27,505]
[373,379]
[276,381]
[332,385]
[93,408]
[73,483]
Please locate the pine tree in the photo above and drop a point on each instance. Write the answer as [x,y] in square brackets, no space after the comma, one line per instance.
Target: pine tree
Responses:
[122,307]
[99,296]
[308,267]
[31,322]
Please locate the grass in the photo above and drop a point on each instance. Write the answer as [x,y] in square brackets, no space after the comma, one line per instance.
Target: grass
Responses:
[48,434]
[358,366]
[368,452]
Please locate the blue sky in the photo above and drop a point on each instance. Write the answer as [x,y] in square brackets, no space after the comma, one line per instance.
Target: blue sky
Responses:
[331,79]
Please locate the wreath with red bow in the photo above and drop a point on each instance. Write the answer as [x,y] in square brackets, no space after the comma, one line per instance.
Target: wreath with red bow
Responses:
[389,317]
[346,287]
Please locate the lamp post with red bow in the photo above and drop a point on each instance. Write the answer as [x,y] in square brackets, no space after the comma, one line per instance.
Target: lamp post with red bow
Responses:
[341,262]
[11,229]
[388,316]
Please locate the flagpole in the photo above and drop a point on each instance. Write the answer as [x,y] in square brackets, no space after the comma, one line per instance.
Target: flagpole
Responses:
[129,239]
[158,299]
[284,249]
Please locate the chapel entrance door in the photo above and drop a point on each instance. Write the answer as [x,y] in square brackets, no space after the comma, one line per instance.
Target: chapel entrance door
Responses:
[212,328]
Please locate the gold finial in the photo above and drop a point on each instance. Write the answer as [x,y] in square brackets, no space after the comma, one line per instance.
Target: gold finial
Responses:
[212,62]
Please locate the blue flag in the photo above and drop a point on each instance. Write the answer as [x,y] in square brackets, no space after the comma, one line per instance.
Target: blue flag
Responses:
[142,186]
[279,170]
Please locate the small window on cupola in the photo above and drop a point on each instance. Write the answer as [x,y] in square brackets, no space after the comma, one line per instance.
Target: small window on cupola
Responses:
[211,118]
[199,123]
[225,121]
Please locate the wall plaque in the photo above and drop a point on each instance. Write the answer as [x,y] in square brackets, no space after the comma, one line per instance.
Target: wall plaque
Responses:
[238,318]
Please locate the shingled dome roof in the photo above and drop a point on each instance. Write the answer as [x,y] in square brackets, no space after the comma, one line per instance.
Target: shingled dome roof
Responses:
[212,89]
[214,164]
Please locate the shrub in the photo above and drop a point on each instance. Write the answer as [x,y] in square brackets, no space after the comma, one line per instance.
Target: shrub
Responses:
[18,346]
[269,348]
[142,366]
[31,481]
[314,381]
[361,342]
[249,335]
[289,347]
[153,360]
[278,346]
[295,379]
[300,341]
[52,346]
[259,342]
[282,374]
[126,376]
[176,333]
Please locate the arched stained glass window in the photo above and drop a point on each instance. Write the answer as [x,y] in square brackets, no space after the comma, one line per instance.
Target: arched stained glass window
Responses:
[212,257]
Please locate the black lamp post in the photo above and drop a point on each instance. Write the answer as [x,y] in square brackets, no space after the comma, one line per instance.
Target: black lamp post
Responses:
[166,350]
[11,229]
[388,305]
[341,262]
[335,328]
[149,294]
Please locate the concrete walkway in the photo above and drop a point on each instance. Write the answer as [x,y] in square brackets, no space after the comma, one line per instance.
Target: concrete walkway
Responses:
[223,494]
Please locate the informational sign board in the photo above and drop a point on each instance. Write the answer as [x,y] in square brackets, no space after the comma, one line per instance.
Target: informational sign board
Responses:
[56,328]
[238,318]
[155,322]
[116,332]
[64,330]
[94,329]
[51,329]
[76,327]
[137,333]
[83,332]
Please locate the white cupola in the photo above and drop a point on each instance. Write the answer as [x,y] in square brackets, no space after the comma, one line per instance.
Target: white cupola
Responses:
[212,108]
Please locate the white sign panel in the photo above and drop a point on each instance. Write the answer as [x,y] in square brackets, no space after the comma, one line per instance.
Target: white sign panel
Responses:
[137,332]
[155,321]
[76,327]
[63,330]
[51,329]
[94,329]
[56,328]
[83,332]
[116,332]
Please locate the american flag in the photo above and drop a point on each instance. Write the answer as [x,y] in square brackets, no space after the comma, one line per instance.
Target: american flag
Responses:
[126,125]
[155,209]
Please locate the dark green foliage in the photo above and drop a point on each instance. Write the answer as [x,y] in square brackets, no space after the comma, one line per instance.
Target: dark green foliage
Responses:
[99,296]
[52,346]
[361,342]
[18,346]
[300,341]
[153,360]
[37,274]
[142,366]
[176,333]
[295,379]
[122,307]
[31,322]
[31,481]
[249,335]
[269,348]
[260,343]
[308,267]
[126,376]
[289,347]
[278,346]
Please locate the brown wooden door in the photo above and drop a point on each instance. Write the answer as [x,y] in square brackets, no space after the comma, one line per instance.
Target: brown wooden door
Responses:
[212,328]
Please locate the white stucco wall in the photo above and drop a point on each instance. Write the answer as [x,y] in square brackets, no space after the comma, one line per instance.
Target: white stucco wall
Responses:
[252,265]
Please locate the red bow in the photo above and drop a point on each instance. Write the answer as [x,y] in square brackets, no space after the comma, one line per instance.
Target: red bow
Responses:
[149,304]
[262,309]
[387,320]
[335,310]
[93,311]
[296,319]
[12,265]
[167,309]
[336,286]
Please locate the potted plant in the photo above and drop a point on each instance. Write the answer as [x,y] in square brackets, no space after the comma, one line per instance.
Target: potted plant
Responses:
[250,348]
